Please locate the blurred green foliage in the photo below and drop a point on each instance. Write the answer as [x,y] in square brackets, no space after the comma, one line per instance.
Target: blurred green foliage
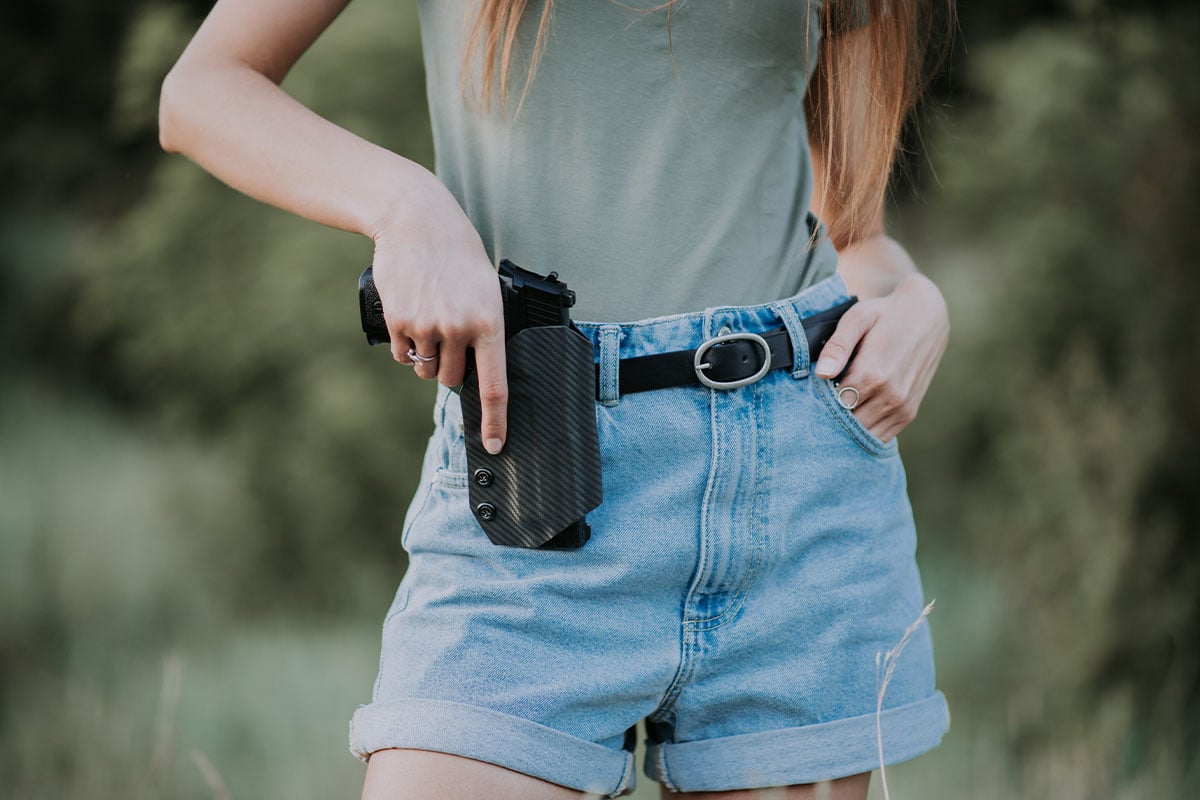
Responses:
[1068,412]
[204,470]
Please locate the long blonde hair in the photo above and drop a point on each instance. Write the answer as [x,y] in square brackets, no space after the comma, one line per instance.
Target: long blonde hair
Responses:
[855,128]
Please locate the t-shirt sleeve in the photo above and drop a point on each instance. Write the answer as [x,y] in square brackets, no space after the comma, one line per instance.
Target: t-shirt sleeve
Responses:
[846,15]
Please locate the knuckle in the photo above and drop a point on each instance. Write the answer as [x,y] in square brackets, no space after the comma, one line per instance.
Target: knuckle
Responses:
[396,317]
[891,397]
[888,396]
[486,319]
[490,327]
[455,329]
[397,330]
[422,329]
[871,378]
[492,390]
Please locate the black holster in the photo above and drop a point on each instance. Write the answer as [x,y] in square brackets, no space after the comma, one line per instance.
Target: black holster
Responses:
[537,489]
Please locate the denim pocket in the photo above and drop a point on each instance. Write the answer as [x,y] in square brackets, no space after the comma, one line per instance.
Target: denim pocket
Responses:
[848,422]
[451,469]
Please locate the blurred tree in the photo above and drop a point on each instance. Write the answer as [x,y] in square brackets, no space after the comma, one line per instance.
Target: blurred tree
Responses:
[1069,408]
[229,318]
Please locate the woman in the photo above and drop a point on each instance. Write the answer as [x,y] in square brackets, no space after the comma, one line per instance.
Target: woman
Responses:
[753,560]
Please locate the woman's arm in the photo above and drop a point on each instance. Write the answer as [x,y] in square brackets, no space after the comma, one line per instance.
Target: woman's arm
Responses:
[900,326]
[222,107]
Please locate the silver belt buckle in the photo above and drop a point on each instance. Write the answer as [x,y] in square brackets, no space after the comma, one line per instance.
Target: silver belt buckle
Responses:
[700,364]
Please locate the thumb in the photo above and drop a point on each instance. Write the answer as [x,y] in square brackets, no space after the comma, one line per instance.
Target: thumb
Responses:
[836,352]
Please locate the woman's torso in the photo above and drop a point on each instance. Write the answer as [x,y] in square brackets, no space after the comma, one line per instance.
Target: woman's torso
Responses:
[652,187]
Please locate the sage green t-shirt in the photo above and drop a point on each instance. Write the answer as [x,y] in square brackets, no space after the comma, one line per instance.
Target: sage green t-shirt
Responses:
[654,181]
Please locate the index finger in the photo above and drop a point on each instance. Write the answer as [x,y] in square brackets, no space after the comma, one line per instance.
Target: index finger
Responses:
[490,367]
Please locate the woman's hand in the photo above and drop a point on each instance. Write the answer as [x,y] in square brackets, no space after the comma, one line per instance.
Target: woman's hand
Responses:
[222,106]
[440,295]
[900,339]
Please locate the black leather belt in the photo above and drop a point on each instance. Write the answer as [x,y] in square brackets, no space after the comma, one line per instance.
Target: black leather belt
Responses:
[727,361]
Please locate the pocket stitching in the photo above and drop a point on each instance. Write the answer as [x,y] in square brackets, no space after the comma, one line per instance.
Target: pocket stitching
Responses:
[852,424]
[450,479]
[412,518]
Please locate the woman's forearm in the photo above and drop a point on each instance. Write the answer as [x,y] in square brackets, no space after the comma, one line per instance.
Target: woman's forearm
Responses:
[875,265]
[240,126]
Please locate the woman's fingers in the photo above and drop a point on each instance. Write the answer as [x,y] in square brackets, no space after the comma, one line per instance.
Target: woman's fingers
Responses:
[400,345]
[440,296]
[452,360]
[851,327]
[493,388]
[887,348]
[878,396]
[427,356]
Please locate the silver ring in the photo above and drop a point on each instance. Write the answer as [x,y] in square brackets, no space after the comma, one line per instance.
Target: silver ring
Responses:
[842,402]
[415,356]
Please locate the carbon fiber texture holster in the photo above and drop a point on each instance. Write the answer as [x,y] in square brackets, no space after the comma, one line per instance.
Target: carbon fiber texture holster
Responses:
[535,492]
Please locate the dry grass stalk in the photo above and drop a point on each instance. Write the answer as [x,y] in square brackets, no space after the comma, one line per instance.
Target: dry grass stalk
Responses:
[888,662]
[211,776]
[164,727]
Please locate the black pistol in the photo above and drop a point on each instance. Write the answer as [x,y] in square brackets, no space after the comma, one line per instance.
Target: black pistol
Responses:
[529,299]
[535,492]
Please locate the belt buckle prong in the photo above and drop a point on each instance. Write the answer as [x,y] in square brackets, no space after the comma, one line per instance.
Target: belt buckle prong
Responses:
[700,365]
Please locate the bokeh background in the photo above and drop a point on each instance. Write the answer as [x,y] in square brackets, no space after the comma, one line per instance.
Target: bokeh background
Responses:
[204,469]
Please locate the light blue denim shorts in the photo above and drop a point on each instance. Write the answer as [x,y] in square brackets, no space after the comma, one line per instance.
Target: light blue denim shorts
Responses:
[750,566]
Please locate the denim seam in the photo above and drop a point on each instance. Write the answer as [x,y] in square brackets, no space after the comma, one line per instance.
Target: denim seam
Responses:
[392,614]
[406,528]
[738,592]
[664,774]
[439,411]
[456,459]
[451,479]
[731,608]
[687,631]
[758,547]
[687,662]
[626,776]
[706,535]
[758,528]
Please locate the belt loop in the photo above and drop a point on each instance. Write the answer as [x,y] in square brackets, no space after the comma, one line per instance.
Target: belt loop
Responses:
[610,354]
[791,320]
